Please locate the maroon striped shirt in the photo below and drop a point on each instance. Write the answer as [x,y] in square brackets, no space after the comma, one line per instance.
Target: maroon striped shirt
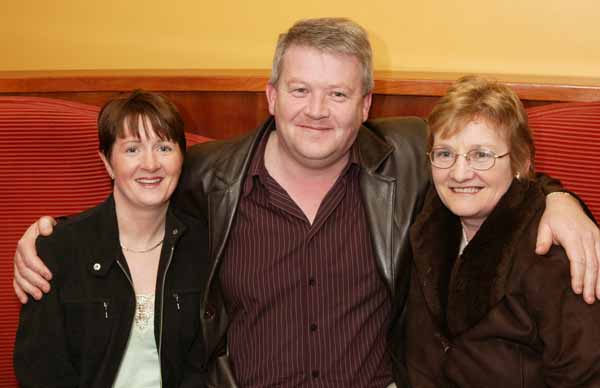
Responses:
[308,306]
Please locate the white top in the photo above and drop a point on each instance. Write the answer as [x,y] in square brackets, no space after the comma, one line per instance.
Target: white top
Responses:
[464,241]
[140,367]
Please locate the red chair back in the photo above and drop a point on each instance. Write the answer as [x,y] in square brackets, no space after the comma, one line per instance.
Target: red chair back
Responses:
[567,140]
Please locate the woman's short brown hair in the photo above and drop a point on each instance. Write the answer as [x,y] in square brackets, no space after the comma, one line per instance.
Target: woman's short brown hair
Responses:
[129,110]
[479,98]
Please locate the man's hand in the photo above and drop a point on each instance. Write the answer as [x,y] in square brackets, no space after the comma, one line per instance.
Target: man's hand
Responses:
[565,223]
[31,275]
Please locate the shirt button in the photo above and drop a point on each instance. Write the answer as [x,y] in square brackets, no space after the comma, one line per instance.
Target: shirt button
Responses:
[209,313]
[175,231]
[313,327]
[311,281]
[314,374]
[97,266]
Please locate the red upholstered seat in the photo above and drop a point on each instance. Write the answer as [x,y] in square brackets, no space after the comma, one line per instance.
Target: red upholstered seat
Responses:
[49,164]
[567,140]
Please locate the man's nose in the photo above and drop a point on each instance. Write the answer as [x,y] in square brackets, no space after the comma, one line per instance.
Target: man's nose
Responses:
[317,107]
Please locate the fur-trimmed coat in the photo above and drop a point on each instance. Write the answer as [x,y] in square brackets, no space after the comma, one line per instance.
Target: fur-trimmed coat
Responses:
[498,315]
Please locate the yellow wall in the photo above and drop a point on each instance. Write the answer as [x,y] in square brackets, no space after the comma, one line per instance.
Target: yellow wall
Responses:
[546,37]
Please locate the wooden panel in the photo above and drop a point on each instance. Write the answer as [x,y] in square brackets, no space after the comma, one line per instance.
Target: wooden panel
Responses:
[219,115]
[385,105]
[225,103]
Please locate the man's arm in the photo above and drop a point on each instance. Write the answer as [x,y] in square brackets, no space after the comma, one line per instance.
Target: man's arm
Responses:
[31,275]
[564,222]
[567,222]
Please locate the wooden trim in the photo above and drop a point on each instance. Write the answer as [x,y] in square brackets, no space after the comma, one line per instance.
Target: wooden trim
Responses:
[121,80]
[535,88]
[397,83]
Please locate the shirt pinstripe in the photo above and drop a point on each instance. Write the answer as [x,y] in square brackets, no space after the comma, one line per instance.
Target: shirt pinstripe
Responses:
[308,306]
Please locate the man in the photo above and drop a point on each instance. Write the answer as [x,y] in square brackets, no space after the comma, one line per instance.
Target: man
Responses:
[308,221]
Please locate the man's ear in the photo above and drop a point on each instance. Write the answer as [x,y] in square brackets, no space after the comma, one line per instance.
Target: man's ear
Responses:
[271,92]
[107,165]
[366,106]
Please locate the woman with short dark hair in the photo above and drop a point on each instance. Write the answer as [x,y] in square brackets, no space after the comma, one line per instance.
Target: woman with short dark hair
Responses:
[124,309]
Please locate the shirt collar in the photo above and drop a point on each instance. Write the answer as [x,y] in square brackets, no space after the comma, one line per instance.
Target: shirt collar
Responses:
[257,171]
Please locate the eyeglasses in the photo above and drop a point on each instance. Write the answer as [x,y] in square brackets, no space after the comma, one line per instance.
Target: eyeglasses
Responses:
[478,159]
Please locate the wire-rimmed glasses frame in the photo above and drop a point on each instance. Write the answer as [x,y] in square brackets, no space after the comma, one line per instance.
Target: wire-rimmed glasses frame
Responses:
[480,159]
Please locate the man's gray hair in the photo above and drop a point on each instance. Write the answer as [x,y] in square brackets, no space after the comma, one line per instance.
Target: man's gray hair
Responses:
[331,35]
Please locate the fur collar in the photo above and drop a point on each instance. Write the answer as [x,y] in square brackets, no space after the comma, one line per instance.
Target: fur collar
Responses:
[476,281]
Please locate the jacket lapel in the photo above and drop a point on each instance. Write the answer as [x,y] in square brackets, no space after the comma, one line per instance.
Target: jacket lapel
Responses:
[104,248]
[380,192]
[435,238]
[222,207]
[223,200]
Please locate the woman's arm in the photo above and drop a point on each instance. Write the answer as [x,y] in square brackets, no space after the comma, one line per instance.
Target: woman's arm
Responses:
[41,358]
[568,327]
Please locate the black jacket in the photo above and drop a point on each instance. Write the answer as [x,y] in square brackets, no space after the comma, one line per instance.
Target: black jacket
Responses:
[76,335]
[394,175]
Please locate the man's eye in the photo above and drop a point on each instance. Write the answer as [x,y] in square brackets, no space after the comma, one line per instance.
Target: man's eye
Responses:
[338,95]
[299,92]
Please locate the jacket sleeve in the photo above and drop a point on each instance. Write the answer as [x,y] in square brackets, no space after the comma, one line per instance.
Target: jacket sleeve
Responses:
[568,327]
[41,358]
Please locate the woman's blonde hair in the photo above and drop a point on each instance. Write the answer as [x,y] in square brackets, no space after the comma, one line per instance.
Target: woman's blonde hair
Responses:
[479,98]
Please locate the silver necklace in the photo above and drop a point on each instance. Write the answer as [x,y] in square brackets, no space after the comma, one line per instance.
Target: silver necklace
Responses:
[153,247]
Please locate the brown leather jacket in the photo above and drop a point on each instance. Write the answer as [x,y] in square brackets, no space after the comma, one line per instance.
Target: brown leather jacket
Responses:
[394,176]
[498,316]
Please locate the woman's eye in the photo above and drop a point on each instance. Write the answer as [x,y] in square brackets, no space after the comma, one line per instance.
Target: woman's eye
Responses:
[482,154]
[165,148]
[443,154]
[131,150]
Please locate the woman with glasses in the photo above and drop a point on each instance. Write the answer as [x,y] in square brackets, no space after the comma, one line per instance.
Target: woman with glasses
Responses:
[484,310]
